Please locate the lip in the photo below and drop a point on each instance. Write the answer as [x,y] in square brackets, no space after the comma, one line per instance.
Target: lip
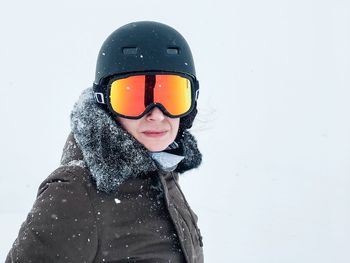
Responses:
[154,133]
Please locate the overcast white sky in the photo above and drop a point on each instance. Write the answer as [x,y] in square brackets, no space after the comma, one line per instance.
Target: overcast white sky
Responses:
[273,125]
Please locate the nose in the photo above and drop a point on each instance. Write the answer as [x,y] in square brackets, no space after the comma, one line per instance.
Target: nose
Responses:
[155,115]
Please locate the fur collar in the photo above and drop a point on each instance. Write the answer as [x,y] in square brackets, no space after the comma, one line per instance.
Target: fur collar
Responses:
[113,155]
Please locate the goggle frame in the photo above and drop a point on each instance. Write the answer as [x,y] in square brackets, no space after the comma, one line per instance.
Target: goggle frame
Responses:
[104,97]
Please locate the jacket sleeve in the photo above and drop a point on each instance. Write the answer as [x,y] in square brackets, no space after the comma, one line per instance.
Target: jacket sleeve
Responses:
[61,225]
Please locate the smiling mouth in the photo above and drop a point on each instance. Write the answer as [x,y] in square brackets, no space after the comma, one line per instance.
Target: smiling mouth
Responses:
[155,133]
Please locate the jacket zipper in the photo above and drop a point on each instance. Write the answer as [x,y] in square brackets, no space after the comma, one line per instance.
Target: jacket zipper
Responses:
[200,238]
[167,206]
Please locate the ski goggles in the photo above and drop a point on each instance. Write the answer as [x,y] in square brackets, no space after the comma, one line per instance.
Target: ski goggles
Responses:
[132,96]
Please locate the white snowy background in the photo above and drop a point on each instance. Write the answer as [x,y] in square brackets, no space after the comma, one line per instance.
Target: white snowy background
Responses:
[273,126]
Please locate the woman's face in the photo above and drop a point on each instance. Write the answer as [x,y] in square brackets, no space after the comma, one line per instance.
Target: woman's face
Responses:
[154,130]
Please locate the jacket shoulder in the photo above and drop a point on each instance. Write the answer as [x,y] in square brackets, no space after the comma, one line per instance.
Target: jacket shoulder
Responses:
[77,175]
[61,225]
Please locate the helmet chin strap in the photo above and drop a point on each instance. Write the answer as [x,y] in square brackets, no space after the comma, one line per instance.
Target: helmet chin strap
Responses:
[172,146]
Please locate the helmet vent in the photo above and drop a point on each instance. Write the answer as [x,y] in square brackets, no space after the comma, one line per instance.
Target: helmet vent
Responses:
[172,51]
[130,50]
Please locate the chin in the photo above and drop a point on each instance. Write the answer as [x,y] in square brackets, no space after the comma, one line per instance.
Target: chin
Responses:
[155,148]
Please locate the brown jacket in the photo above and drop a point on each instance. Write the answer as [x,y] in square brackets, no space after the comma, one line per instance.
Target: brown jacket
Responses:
[97,207]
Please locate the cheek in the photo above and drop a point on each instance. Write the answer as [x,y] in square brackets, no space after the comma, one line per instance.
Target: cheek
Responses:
[128,125]
[175,123]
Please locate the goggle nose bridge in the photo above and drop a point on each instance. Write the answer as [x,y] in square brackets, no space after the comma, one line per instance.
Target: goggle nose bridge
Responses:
[160,106]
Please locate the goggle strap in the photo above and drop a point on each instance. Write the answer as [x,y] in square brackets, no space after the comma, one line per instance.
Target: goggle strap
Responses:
[196,88]
[100,98]
[197,94]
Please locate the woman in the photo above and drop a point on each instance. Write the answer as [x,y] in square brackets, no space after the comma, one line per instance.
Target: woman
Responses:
[115,197]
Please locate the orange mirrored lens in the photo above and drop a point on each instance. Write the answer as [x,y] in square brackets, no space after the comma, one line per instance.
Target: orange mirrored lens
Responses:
[174,93]
[130,96]
[127,95]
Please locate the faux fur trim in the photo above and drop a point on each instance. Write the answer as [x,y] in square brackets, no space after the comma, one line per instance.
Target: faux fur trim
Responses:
[111,153]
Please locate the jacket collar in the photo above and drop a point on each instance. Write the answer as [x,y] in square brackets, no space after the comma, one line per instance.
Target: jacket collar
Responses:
[110,153]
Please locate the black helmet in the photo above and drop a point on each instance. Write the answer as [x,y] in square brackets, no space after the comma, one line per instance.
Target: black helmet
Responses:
[145,46]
